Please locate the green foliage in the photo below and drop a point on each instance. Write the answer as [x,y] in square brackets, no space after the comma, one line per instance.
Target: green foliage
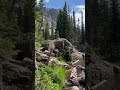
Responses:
[38,40]
[10,33]
[59,27]
[103,28]
[7,47]
[38,24]
[82,31]
[52,32]
[66,27]
[8,38]
[56,34]
[49,77]
[67,56]
[46,36]
[13,87]
[60,58]
[63,23]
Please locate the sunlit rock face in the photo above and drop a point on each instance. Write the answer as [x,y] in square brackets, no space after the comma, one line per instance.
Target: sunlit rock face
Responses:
[50,16]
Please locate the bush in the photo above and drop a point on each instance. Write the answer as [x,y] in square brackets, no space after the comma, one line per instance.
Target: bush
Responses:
[67,56]
[7,47]
[60,58]
[49,77]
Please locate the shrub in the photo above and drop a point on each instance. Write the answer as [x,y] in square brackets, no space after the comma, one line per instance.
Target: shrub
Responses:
[49,77]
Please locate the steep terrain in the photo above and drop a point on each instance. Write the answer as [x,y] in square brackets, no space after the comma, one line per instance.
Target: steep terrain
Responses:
[101,74]
[73,61]
[50,15]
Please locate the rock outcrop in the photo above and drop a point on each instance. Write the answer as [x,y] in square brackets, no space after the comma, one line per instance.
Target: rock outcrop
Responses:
[61,45]
[17,73]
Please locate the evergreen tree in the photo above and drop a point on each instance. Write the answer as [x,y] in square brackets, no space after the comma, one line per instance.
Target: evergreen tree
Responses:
[47,31]
[59,26]
[41,4]
[82,30]
[115,28]
[74,29]
[102,27]
[52,31]
[56,34]
[16,36]
[74,21]
[78,35]
[71,31]
[66,26]
[65,22]
[115,18]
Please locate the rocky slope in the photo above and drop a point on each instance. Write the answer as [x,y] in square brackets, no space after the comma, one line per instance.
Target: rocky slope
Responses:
[50,15]
[63,46]
[101,75]
[50,52]
[16,74]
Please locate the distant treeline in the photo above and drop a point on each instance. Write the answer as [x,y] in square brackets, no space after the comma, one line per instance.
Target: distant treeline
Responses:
[17,28]
[103,27]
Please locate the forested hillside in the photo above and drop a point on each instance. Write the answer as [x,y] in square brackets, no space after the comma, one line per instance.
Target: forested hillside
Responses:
[16,42]
[103,44]
[103,28]
[17,26]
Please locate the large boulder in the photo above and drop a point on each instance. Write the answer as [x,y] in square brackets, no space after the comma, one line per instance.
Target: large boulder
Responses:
[63,46]
[17,73]
[41,57]
[60,44]
[29,63]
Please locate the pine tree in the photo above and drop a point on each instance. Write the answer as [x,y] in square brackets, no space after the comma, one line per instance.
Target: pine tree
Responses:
[115,18]
[65,22]
[74,29]
[59,26]
[52,31]
[46,36]
[115,28]
[74,21]
[78,35]
[82,30]
[41,4]
[56,34]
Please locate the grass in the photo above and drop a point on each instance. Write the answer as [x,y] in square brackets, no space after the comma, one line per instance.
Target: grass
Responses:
[49,77]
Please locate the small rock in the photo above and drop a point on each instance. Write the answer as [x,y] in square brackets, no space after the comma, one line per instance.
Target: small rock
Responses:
[40,57]
[74,88]
[73,73]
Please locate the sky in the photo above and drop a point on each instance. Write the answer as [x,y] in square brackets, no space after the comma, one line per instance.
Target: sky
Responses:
[60,3]
[77,5]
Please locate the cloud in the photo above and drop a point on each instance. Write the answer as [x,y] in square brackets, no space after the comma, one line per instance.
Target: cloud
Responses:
[78,10]
[80,6]
[47,1]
